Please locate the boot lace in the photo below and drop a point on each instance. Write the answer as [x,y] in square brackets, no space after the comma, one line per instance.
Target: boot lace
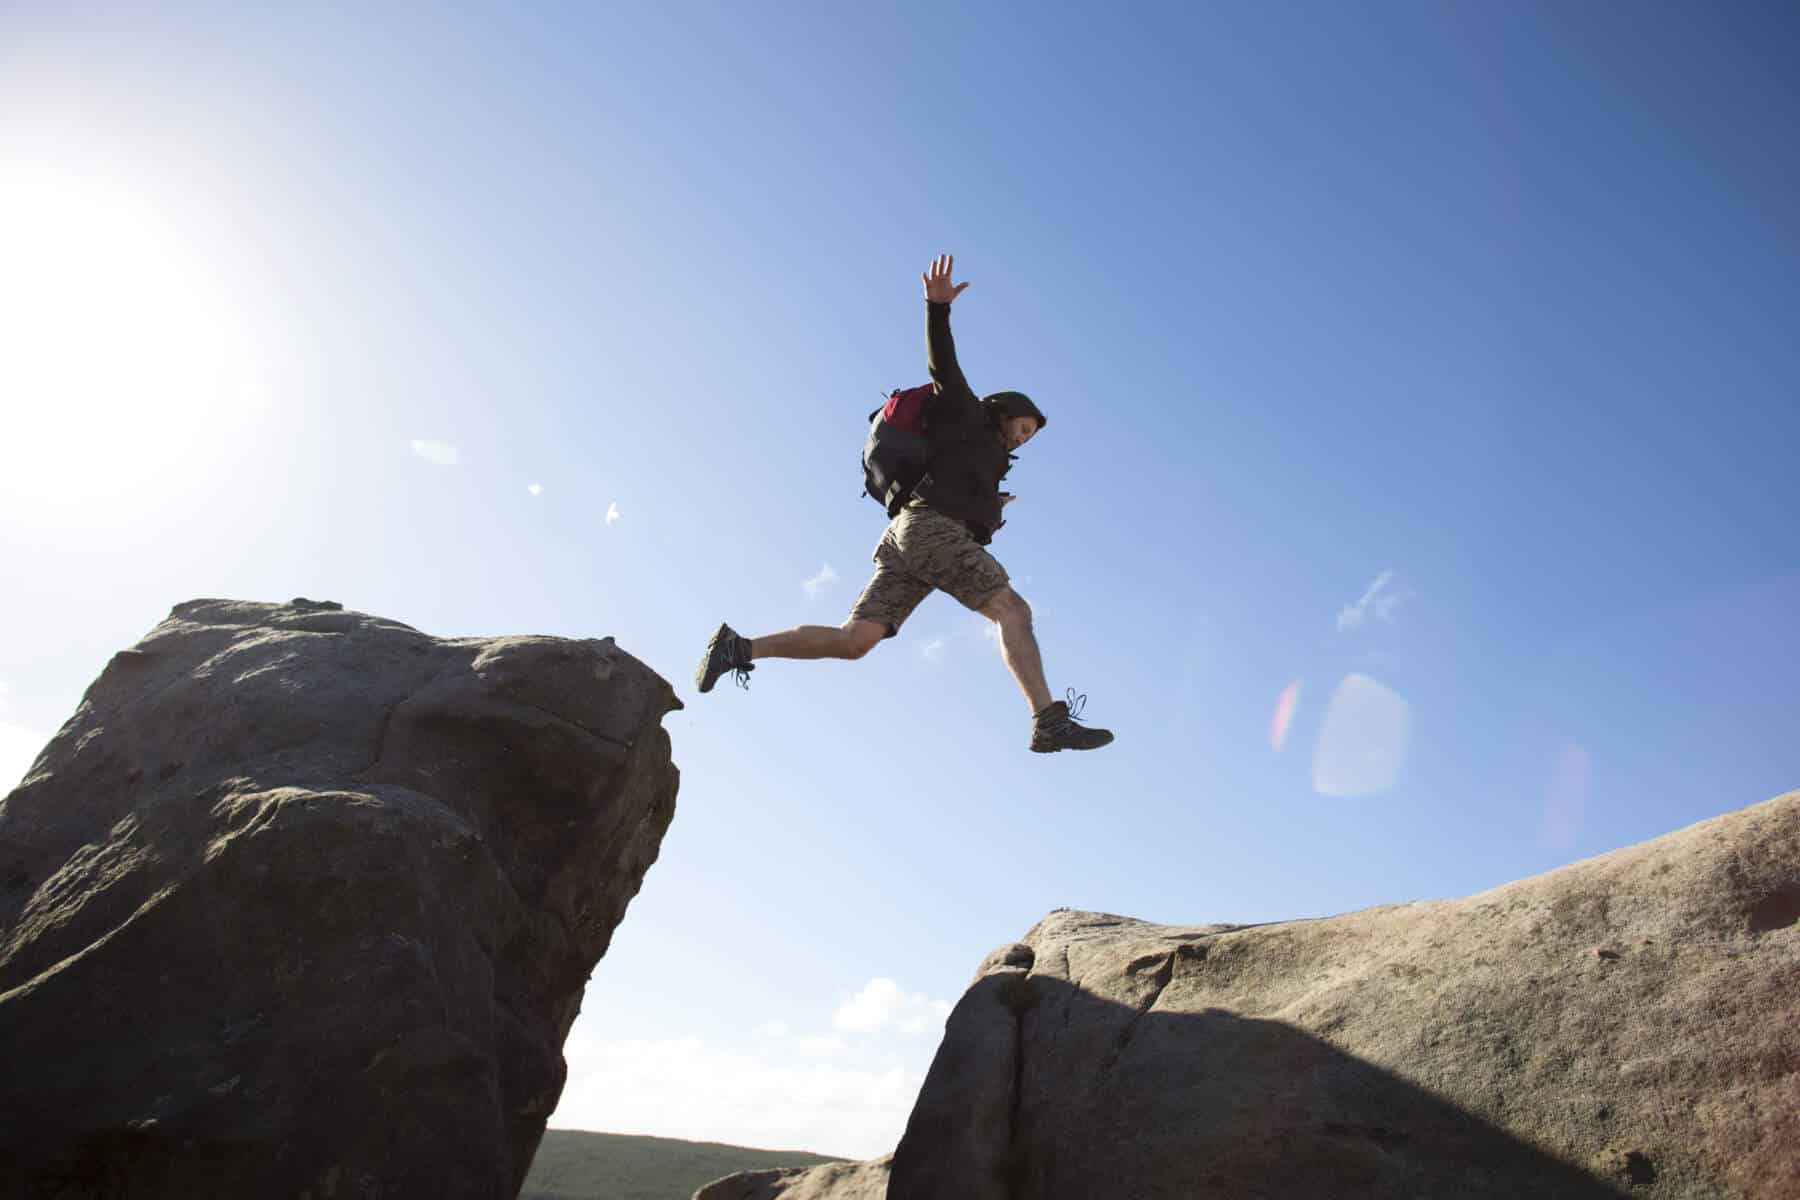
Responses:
[1075,703]
[741,668]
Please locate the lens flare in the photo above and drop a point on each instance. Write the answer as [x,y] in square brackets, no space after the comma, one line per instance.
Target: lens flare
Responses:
[1284,715]
[1363,741]
[1565,799]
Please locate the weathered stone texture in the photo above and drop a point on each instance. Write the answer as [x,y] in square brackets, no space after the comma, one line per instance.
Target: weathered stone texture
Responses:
[1621,1026]
[1627,1026]
[303,901]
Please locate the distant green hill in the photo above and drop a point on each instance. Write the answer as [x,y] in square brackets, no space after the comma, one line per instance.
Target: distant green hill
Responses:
[573,1165]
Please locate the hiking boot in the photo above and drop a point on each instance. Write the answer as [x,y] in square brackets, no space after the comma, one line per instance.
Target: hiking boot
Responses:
[726,652]
[1056,728]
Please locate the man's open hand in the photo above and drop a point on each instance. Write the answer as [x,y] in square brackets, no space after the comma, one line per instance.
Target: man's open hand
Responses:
[938,288]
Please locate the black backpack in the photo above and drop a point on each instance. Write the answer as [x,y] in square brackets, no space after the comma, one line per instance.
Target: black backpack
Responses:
[896,455]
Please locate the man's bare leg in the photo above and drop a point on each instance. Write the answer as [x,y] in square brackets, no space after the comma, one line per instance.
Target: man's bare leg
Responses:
[1053,726]
[1019,647]
[852,639]
[730,652]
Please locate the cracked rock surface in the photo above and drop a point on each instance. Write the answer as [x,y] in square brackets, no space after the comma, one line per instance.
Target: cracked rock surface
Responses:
[1621,1027]
[302,902]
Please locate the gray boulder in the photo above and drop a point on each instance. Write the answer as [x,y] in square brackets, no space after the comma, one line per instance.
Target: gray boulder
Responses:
[302,902]
[1624,1026]
[827,1181]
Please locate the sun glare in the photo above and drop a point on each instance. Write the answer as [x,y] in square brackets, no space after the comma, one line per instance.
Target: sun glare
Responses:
[124,357]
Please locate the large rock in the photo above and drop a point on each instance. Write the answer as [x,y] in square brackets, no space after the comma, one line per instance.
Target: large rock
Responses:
[1628,1025]
[827,1181]
[301,902]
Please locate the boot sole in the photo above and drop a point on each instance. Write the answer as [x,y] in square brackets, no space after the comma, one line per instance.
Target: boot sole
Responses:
[1057,749]
[706,660]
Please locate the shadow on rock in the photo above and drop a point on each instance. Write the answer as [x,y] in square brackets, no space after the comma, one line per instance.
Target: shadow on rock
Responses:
[1042,1089]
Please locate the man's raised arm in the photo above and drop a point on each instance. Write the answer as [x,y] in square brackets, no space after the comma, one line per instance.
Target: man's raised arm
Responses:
[940,348]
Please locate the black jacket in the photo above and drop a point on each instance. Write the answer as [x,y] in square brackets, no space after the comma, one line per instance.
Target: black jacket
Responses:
[968,450]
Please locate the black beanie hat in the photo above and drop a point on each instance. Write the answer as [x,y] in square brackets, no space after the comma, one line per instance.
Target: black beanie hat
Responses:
[1001,405]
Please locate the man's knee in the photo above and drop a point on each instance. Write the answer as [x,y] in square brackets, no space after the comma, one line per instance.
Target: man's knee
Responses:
[860,637]
[1007,608]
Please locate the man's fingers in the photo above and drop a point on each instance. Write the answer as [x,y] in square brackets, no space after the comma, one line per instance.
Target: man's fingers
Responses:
[939,277]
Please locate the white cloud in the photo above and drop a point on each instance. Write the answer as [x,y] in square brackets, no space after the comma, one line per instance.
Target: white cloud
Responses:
[18,748]
[817,583]
[536,489]
[934,649]
[881,1005]
[1381,599]
[441,453]
[821,1045]
[846,1091]
[612,512]
[765,1096]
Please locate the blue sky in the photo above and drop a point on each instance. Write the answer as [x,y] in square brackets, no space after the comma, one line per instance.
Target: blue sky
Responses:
[1427,361]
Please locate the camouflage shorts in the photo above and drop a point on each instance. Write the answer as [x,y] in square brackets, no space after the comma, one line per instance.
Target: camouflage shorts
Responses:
[923,551]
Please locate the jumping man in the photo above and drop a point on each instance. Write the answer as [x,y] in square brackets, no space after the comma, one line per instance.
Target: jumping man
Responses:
[937,542]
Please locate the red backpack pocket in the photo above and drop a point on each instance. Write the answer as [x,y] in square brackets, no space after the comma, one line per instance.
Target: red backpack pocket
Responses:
[905,408]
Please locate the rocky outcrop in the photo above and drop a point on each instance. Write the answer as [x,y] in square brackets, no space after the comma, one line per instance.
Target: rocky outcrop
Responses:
[302,902]
[827,1181]
[1624,1026]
